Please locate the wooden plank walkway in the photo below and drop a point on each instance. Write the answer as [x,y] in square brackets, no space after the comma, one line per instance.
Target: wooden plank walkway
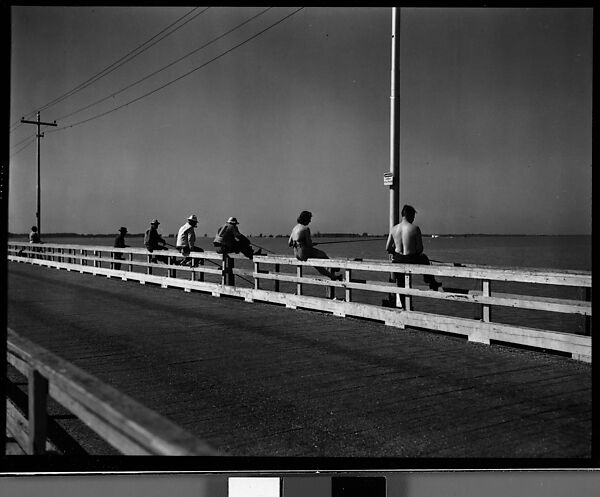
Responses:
[256,379]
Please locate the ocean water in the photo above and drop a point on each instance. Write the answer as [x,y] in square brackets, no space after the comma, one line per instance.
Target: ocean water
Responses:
[547,252]
[551,252]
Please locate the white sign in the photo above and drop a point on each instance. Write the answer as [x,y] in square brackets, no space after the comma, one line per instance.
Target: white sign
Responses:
[388,179]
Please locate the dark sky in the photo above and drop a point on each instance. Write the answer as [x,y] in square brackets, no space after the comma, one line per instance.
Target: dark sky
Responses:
[495,119]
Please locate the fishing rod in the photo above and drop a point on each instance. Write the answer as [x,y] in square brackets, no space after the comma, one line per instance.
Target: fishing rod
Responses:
[352,241]
[212,262]
[263,248]
[216,264]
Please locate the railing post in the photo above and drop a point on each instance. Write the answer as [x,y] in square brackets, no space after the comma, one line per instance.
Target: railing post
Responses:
[224,269]
[149,268]
[201,274]
[96,263]
[38,395]
[172,273]
[587,326]
[486,311]
[331,292]
[347,278]
[256,280]
[230,275]
[112,256]
[277,268]
[83,254]
[407,298]
[130,260]
[299,275]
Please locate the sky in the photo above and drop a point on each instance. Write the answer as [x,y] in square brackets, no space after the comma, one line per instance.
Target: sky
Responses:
[292,113]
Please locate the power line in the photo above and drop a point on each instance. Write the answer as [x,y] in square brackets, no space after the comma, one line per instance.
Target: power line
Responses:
[182,76]
[124,59]
[119,62]
[31,142]
[118,92]
[21,141]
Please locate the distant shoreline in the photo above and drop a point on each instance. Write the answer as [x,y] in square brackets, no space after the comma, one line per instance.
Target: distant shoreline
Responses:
[315,235]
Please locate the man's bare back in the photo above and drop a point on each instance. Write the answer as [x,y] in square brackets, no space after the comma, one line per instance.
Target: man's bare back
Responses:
[405,239]
[405,243]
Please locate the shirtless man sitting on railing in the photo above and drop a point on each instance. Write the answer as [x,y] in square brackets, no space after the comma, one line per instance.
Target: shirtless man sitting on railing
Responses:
[406,245]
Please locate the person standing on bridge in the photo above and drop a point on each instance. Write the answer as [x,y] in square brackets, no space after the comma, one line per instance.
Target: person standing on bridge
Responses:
[153,241]
[119,243]
[304,248]
[186,241]
[229,239]
[406,246]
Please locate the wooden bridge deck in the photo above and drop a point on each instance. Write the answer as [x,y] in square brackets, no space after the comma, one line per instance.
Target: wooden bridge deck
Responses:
[257,379]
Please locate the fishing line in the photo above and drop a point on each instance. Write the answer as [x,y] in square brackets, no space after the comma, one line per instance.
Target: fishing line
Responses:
[352,241]
[216,264]
[263,248]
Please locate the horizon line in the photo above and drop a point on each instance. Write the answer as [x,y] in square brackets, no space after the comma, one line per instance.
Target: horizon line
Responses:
[315,235]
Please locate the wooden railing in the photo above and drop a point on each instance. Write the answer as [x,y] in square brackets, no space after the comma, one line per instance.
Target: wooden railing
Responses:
[124,423]
[268,269]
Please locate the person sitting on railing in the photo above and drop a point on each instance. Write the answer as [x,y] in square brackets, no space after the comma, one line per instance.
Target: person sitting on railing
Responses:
[119,243]
[406,246]
[304,248]
[229,239]
[34,237]
[153,241]
[186,240]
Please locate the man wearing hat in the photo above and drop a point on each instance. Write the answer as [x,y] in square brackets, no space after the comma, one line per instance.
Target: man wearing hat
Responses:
[153,241]
[119,243]
[186,240]
[229,239]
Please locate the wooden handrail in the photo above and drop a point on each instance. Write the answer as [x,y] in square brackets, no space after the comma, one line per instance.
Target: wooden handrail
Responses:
[126,424]
[351,270]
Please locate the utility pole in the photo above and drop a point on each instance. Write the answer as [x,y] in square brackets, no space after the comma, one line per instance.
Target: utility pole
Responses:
[395,120]
[39,135]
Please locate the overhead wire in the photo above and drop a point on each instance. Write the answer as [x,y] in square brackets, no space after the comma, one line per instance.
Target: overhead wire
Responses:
[102,114]
[32,140]
[131,85]
[29,137]
[118,63]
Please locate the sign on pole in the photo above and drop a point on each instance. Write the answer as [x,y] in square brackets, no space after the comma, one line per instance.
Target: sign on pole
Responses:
[388,179]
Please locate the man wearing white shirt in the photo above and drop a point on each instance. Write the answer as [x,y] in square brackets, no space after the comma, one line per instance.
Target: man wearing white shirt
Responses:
[186,240]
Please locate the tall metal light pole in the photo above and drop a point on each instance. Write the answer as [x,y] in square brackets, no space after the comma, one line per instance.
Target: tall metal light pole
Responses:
[395,120]
[39,135]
